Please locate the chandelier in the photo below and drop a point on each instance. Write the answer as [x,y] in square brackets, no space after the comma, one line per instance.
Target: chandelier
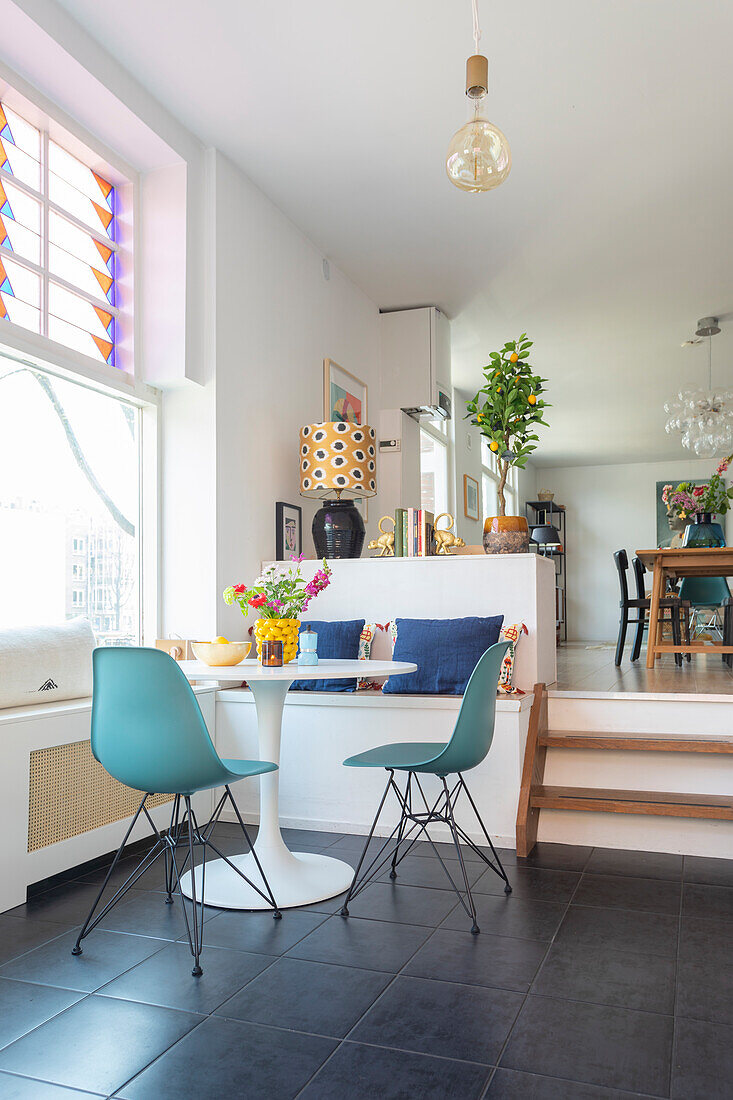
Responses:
[479,158]
[705,417]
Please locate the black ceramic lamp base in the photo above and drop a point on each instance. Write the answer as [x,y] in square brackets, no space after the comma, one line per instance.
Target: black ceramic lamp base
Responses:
[338,530]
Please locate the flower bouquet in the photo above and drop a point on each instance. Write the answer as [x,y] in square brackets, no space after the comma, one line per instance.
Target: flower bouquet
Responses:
[281,596]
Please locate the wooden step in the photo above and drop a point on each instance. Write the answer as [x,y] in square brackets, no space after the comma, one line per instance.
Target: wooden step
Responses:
[561,739]
[660,803]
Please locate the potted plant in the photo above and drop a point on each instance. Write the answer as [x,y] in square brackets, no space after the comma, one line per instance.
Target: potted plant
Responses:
[697,505]
[506,410]
[281,596]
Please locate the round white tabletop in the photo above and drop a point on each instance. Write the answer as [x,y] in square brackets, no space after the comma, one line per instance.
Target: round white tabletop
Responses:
[295,878]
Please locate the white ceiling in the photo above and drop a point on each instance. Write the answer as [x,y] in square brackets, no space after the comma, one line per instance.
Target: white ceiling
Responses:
[612,235]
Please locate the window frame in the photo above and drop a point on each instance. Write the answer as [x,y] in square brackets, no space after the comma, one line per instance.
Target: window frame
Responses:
[55,125]
[440,434]
[490,471]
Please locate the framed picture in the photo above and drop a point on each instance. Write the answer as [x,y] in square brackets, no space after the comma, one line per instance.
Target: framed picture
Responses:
[344,395]
[470,497]
[288,531]
[670,528]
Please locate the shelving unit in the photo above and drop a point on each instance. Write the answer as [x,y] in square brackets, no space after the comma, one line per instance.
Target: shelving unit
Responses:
[539,513]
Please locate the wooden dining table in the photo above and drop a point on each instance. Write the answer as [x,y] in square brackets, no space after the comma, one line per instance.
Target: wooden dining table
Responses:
[672,564]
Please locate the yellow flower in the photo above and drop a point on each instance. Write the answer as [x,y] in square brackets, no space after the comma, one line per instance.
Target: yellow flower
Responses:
[683,515]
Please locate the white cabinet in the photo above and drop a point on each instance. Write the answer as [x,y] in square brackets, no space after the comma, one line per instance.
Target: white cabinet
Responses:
[416,363]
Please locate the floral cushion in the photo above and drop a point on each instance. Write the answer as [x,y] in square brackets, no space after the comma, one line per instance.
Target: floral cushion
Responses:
[364,683]
[510,634]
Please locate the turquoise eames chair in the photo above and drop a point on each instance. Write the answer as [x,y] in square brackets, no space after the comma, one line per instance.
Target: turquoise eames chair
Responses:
[470,742]
[705,594]
[148,732]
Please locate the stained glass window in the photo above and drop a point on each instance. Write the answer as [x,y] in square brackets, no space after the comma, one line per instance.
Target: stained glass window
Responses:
[58,247]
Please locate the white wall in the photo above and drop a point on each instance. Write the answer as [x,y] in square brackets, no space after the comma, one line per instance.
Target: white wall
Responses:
[277,318]
[607,508]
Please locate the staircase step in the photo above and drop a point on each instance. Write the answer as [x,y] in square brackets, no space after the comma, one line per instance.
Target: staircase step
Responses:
[660,803]
[562,739]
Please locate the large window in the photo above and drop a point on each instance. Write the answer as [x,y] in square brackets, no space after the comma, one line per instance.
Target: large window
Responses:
[69,505]
[58,242]
[434,468]
[490,478]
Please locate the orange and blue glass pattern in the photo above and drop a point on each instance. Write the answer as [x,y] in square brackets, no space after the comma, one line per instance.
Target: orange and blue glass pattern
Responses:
[79,258]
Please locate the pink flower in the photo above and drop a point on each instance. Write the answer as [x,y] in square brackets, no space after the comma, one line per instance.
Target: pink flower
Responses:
[698,490]
[723,466]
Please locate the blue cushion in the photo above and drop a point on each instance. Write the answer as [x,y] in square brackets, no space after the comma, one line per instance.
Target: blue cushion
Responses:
[446,651]
[336,641]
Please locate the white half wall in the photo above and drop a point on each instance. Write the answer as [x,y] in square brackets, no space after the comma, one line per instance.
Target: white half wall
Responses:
[608,508]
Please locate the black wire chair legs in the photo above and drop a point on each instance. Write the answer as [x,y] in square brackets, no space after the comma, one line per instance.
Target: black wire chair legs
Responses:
[412,825]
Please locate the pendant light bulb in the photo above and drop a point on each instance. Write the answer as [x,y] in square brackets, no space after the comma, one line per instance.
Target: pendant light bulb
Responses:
[479,157]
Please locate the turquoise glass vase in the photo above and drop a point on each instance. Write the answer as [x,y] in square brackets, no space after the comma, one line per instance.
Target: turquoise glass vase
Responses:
[702,532]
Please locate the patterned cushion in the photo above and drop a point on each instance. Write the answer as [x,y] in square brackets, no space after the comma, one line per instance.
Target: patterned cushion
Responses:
[363,683]
[510,634]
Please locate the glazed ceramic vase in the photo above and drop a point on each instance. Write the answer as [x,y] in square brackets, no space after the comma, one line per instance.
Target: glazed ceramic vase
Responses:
[702,532]
[506,535]
[278,630]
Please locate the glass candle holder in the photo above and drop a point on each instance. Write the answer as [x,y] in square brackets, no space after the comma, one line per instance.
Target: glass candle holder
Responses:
[272,654]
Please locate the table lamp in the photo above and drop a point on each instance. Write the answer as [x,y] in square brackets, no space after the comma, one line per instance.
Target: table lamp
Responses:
[338,465]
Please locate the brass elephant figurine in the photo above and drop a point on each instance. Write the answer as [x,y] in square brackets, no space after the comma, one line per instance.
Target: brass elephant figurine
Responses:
[445,540]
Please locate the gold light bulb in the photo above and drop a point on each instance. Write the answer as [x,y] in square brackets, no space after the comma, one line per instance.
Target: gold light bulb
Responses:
[479,157]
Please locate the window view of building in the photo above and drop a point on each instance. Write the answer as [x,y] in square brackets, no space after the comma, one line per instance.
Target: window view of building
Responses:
[433,469]
[69,505]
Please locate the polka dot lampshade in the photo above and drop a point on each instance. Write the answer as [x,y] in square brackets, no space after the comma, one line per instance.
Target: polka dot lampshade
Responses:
[338,459]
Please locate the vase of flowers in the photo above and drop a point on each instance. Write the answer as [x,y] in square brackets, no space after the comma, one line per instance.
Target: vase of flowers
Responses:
[698,505]
[281,595]
[506,410]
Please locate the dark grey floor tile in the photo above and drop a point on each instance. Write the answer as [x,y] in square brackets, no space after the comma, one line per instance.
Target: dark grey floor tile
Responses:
[709,941]
[306,996]
[165,978]
[509,1084]
[712,902]
[532,884]
[312,838]
[352,843]
[508,916]
[478,960]
[24,1088]
[68,904]
[615,861]
[608,976]
[360,1071]
[97,1044]
[226,1058]
[597,1044]
[704,990]
[406,904]
[557,857]
[702,1064]
[369,944]
[466,1022]
[419,871]
[151,879]
[622,892]
[448,851]
[647,933]
[104,956]
[24,1006]
[146,913]
[259,932]
[710,872]
[21,934]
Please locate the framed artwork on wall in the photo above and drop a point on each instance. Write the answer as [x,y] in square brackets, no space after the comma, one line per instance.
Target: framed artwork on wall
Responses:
[288,531]
[670,528]
[344,395]
[470,497]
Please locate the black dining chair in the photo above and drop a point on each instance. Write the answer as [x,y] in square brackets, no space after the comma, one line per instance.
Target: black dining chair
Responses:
[641,605]
[684,605]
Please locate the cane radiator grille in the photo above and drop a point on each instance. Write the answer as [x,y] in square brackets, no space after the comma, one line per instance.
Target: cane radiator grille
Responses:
[71,793]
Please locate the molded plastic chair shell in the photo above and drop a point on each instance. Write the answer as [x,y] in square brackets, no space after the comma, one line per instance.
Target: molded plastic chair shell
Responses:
[471,738]
[705,591]
[148,730]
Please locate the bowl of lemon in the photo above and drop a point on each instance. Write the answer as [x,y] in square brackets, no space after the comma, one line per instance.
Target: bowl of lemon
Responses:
[221,652]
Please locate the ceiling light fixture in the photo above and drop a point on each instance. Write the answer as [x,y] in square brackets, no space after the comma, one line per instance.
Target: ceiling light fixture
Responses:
[479,157]
[705,417]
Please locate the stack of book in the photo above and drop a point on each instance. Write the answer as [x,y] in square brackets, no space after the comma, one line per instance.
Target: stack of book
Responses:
[414,533]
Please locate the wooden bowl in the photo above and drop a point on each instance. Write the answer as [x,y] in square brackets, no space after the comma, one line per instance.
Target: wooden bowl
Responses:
[221,654]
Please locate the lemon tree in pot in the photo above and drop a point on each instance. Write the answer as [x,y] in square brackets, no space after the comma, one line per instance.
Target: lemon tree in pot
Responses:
[506,410]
